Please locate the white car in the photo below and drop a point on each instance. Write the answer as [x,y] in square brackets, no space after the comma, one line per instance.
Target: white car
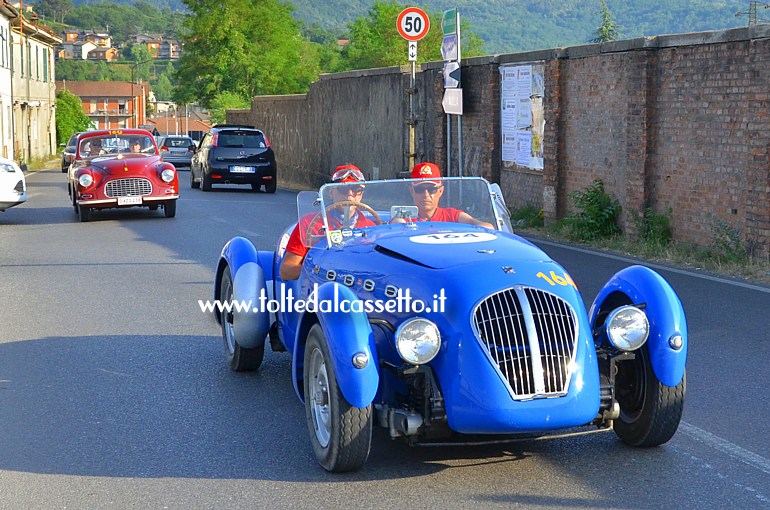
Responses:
[13,189]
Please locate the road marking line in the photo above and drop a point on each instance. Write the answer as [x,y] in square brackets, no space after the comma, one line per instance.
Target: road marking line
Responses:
[655,266]
[724,446]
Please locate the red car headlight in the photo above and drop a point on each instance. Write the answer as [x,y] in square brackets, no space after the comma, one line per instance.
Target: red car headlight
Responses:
[167,175]
[85,180]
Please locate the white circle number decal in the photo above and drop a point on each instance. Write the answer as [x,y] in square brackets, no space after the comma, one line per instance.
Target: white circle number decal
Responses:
[454,238]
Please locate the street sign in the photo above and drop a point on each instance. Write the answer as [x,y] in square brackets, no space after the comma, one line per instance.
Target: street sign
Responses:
[453,101]
[451,75]
[449,47]
[412,51]
[449,23]
[413,24]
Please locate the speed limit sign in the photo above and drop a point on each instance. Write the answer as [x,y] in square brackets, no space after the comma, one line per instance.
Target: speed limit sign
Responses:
[413,23]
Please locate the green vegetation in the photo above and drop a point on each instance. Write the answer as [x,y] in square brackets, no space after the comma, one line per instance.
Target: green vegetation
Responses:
[596,216]
[69,116]
[608,30]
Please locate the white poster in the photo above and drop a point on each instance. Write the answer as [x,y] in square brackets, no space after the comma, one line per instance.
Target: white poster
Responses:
[523,147]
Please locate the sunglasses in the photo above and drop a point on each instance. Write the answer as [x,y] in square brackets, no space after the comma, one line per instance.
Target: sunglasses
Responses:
[344,190]
[423,188]
[341,175]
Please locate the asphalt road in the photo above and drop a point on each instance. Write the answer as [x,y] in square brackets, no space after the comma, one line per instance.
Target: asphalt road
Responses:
[114,392]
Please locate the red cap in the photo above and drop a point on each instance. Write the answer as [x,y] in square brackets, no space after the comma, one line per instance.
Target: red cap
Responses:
[347,173]
[426,170]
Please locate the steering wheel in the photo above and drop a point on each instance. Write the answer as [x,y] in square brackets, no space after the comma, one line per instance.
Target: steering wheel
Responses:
[345,203]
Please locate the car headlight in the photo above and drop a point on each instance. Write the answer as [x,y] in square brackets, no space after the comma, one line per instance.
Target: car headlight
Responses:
[85,180]
[417,341]
[167,175]
[627,328]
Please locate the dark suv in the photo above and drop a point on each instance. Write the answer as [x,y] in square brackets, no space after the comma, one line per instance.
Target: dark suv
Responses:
[233,154]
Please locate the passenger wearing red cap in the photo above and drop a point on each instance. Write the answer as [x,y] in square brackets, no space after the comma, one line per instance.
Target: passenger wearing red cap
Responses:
[426,196]
[291,265]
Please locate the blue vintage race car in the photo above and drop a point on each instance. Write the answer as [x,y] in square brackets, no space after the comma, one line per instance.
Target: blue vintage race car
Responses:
[449,332]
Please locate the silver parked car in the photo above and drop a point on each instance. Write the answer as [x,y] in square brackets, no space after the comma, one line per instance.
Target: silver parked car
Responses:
[177,150]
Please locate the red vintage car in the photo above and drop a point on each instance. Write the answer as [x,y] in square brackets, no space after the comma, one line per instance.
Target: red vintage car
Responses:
[121,168]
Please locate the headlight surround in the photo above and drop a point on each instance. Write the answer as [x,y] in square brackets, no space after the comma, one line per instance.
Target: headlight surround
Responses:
[167,175]
[627,328]
[85,180]
[418,341]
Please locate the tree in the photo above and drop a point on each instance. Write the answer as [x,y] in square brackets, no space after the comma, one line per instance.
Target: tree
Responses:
[69,116]
[375,42]
[225,101]
[54,9]
[164,88]
[245,48]
[608,30]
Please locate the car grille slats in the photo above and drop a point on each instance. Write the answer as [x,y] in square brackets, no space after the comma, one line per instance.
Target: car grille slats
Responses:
[531,337]
[131,187]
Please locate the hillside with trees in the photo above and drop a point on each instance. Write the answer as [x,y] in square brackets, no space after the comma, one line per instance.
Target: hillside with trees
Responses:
[507,27]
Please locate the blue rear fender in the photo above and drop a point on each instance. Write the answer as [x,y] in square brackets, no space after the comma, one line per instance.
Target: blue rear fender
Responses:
[251,270]
[348,332]
[642,285]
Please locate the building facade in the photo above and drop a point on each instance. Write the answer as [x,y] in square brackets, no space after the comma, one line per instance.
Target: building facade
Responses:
[113,104]
[33,89]
[7,15]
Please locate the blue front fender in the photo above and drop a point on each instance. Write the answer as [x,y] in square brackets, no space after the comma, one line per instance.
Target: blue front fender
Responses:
[348,332]
[664,312]
[250,270]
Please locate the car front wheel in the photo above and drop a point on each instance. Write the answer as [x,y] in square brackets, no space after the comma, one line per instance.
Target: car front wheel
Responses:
[169,208]
[239,358]
[205,182]
[85,213]
[650,412]
[193,183]
[341,434]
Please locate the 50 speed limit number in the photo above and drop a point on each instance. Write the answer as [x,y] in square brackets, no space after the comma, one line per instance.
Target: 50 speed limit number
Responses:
[413,24]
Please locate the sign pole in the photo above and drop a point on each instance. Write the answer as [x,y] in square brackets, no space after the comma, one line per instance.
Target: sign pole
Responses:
[459,117]
[412,24]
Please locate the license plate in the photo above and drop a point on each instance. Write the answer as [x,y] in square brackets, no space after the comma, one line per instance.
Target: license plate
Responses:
[242,169]
[129,200]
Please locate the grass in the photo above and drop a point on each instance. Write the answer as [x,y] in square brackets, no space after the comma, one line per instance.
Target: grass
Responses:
[675,253]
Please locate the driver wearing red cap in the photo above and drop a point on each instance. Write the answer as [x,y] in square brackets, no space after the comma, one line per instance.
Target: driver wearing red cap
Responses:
[291,265]
[426,196]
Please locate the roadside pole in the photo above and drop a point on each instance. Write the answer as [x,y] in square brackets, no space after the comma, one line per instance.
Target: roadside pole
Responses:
[412,24]
[453,92]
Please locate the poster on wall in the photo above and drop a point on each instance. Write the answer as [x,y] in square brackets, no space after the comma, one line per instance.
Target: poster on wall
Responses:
[521,112]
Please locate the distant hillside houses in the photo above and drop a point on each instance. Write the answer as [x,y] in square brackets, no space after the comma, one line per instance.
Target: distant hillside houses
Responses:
[97,45]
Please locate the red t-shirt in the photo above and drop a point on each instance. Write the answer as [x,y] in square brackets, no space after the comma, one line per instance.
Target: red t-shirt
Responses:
[294,245]
[445,214]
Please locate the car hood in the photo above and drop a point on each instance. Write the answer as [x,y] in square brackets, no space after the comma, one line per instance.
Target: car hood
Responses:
[447,245]
[114,166]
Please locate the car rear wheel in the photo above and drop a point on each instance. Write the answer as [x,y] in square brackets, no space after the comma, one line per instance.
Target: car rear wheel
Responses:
[239,358]
[193,184]
[341,434]
[169,208]
[650,412]
[271,186]
[85,213]
[205,182]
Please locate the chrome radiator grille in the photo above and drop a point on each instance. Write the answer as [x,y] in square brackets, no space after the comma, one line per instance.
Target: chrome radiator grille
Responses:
[132,187]
[531,336]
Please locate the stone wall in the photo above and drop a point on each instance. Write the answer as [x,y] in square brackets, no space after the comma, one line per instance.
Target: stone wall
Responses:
[677,124]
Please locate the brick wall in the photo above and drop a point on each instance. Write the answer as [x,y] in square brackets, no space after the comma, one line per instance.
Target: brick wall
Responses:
[673,123]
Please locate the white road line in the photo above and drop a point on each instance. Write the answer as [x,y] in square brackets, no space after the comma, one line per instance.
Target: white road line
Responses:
[724,446]
[655,266]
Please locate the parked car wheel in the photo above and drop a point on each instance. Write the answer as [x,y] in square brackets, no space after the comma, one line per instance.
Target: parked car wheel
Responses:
[649,411]
[271,186]
[169,208]
[193,184]
[85,213]
[205,182]
[340,434]
[239,358]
